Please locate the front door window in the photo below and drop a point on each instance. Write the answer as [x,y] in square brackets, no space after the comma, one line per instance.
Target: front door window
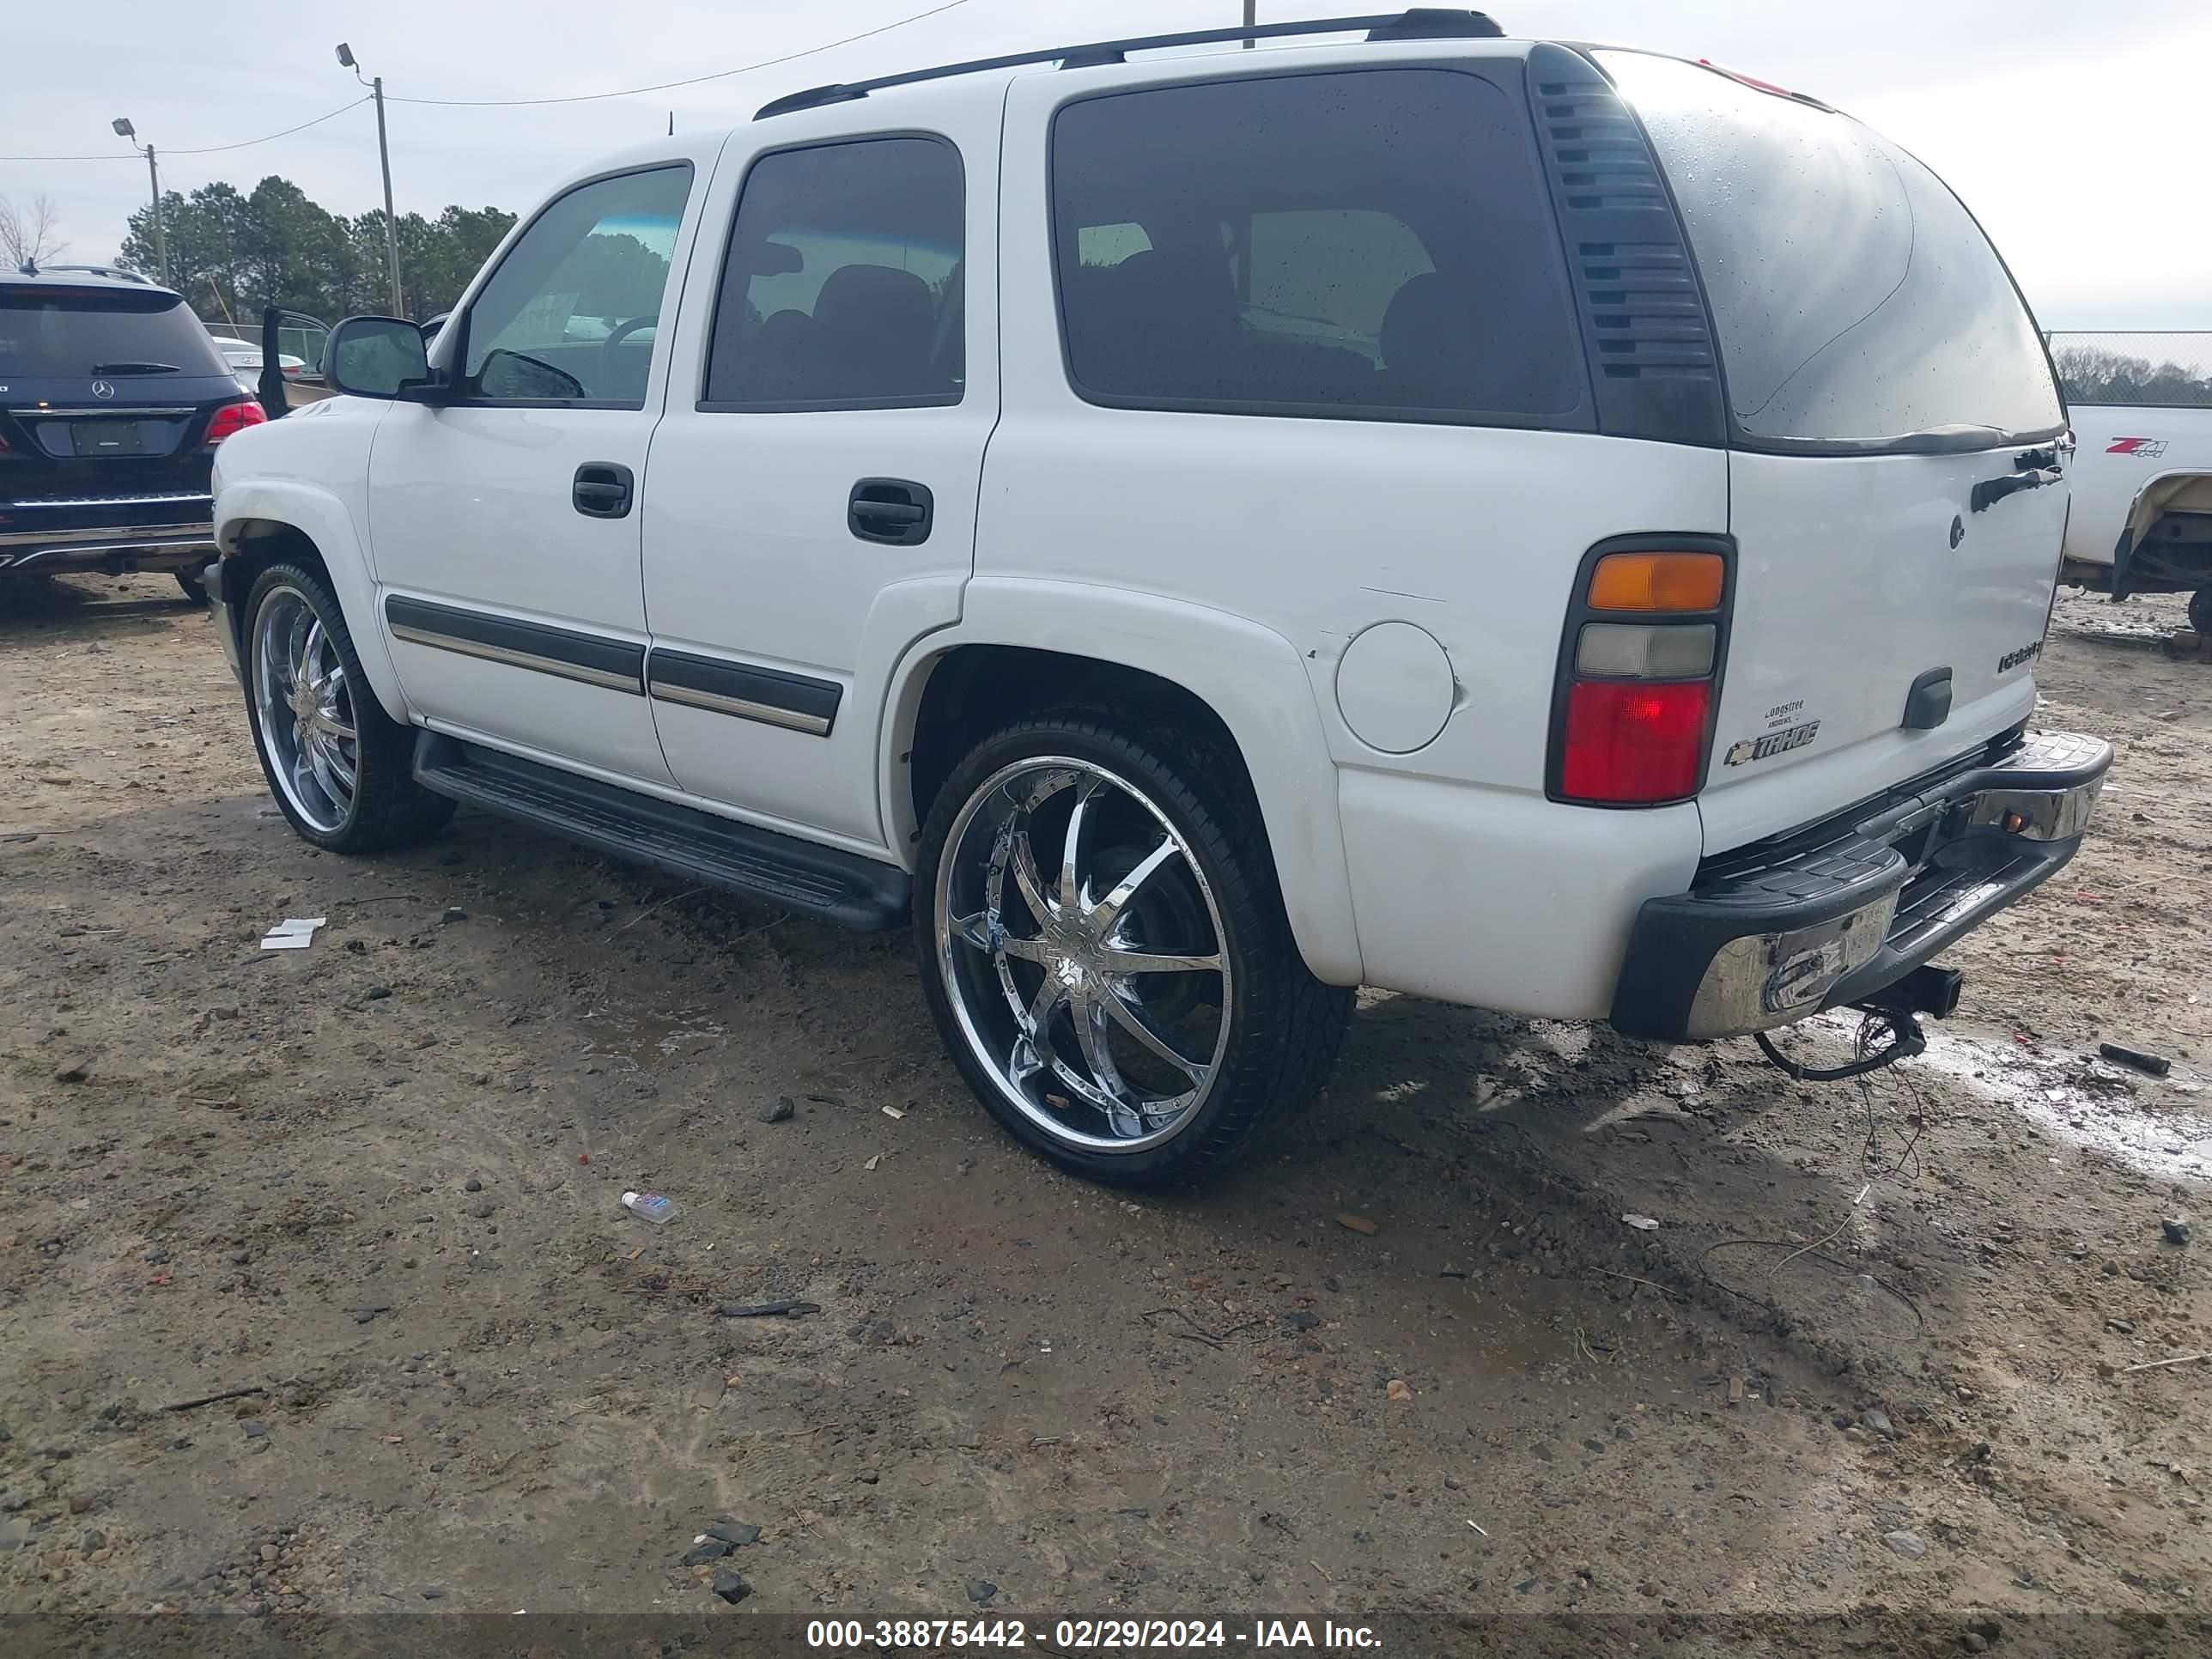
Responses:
[570,316]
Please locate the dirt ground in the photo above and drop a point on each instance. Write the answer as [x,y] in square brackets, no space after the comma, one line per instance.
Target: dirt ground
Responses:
[1882,1357]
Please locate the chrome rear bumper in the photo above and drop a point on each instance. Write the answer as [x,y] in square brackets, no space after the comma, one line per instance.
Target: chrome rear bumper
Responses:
[1833,915]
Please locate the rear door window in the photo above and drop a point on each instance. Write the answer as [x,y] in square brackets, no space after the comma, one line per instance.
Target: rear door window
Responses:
[73,333]
[1368,245]
[1856,301]
[842,288]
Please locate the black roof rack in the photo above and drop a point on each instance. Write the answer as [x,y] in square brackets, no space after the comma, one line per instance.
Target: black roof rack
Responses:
[1419,23]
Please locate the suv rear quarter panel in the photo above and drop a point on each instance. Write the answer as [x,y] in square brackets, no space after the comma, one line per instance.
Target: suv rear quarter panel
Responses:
[1182,538]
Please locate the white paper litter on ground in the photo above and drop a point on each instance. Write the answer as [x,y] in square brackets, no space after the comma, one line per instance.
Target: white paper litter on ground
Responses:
[292,934]
[1643,1224]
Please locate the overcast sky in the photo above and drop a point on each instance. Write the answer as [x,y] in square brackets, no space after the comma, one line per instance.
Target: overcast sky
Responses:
[2059,121]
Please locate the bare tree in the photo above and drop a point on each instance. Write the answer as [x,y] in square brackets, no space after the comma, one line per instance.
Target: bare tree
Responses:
[28,235]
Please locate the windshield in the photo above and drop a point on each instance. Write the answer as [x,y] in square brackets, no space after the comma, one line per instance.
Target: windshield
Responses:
[56,333]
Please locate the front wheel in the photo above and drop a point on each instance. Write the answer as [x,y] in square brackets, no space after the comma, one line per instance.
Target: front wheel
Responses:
[1104,944]
[340,767]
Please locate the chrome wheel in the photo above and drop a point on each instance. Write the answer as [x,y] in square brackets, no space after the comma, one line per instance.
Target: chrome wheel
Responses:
[1082,954]
[303,704]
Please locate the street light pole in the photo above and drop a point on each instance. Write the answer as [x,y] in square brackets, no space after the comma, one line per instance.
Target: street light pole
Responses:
[123,129]
[384,160]
[391,224]
[161,236]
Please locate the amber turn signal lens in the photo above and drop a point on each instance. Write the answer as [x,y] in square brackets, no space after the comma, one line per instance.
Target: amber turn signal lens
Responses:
[1657,581]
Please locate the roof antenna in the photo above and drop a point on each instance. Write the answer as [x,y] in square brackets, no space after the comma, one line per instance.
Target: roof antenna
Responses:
[671,124]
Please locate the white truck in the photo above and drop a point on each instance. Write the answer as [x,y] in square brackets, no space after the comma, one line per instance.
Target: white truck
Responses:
[2141,517]
[1194,534]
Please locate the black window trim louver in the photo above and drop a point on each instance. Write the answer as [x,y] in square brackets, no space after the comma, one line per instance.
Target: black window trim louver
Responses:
[1646,329]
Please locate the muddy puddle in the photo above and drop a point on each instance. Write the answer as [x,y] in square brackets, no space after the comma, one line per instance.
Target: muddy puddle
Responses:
[2157,1126]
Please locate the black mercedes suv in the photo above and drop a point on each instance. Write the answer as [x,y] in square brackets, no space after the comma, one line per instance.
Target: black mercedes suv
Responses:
[113,399]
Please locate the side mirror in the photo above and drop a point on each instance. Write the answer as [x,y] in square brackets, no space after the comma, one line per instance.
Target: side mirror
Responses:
[378,357]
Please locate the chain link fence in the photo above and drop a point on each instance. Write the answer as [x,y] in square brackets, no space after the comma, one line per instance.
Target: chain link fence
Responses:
[2166,370]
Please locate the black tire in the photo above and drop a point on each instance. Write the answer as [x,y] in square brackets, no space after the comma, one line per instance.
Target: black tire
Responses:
[195,590]
[1284,1026]
[2200,610]
[388,808]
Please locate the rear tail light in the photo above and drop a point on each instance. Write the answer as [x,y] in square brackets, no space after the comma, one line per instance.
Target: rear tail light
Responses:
[234,418]
[1632,744]
[1657,581]
[1637,673]
[1645,653]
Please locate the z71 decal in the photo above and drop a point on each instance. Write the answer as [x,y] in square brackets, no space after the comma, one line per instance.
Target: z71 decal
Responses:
[2146,447]
[1774,743]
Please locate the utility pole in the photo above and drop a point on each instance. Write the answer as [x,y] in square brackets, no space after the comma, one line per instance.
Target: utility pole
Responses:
[384,160]
[161,236]
[123,129]
[391,222]
[1251,20]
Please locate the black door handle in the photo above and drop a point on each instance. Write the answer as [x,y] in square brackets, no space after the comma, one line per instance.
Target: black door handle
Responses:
[1990,491]
[602,491]
[889,512]
[893,511]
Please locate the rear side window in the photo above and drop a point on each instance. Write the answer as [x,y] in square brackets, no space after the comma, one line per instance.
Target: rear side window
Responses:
[841,288]
[74,333]
[1371,245]
[1857,303]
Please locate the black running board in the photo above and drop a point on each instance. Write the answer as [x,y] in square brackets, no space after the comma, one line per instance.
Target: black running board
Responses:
[716,852]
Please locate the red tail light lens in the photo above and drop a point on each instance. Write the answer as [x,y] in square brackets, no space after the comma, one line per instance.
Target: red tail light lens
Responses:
[1633,741]
[234,418]
[1647,630]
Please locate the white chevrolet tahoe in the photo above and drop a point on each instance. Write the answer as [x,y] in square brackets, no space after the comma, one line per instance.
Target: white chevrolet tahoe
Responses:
[1562,530]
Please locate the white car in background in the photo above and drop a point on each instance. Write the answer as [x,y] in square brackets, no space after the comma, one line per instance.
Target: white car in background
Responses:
[2141,409]
[245,360]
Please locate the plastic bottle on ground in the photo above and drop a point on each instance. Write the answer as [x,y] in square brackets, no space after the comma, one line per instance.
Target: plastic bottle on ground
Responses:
[650,1206]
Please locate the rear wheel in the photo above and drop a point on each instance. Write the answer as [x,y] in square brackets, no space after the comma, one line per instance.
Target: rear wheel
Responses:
[195,590]
[2200,610]
[1103,945]
[341,769]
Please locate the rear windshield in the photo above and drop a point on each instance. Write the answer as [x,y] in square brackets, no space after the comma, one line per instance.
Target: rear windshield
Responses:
[2147,371]
[1857,300]
[49,333]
